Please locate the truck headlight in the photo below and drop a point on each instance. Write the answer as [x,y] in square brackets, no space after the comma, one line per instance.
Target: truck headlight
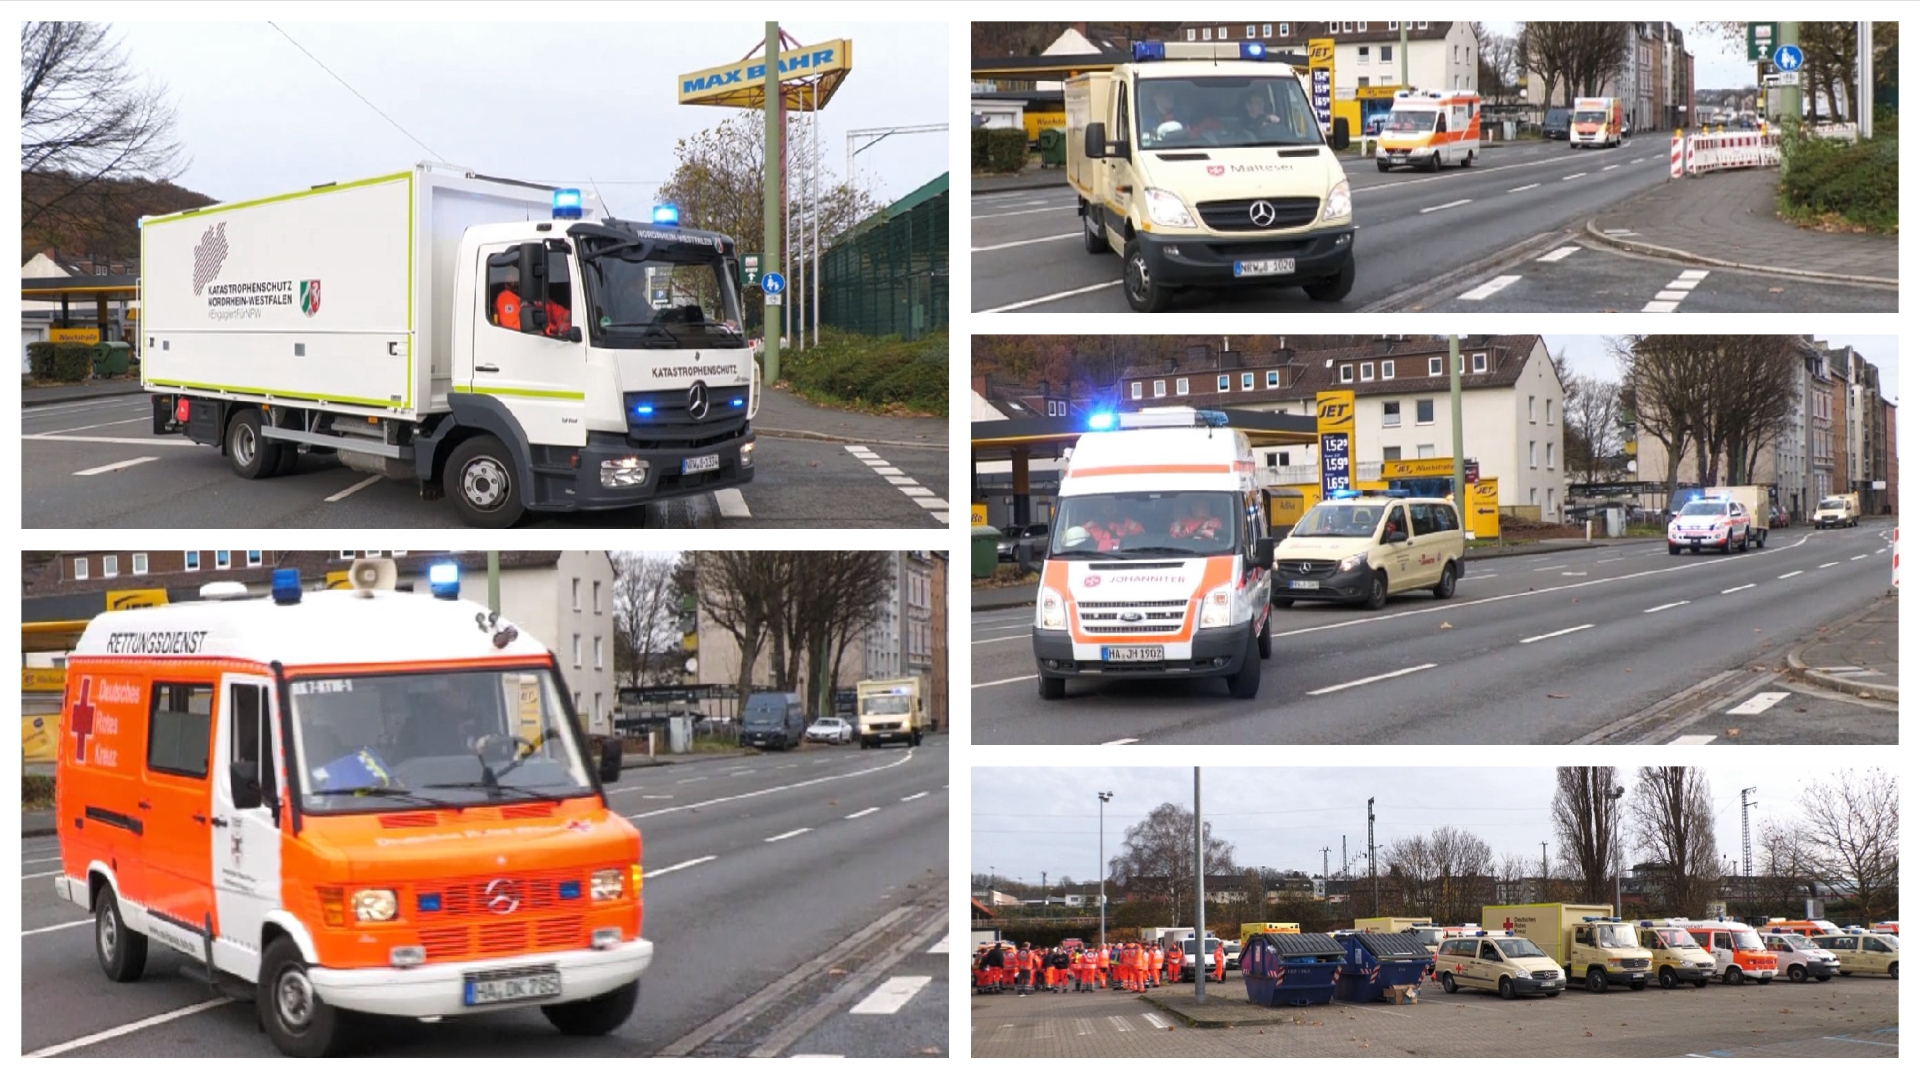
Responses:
[374,905]
[1339,203]
[746,454]
[1053,611]
[1216,609]
[623,472]
[1351,562]
[1165,208]
[607,884]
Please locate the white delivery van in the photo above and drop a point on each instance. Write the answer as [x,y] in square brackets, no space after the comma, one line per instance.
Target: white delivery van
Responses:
[1837,512]
[503,343]
[1159,565]
[1205,165]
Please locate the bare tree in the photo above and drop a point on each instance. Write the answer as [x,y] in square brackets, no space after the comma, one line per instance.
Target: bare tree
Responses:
[1853,822]
[1517,881]
[1156,858]
[841,592]
[1673,824]
[1584,824]
[1787,870]
[1497,71]
[1592,418]
[85,117]
[1576,58]
[1727,397]
[646,616]
[1662,393]
[740,593]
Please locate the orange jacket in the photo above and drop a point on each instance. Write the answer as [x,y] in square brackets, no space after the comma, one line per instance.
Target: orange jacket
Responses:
[506,312]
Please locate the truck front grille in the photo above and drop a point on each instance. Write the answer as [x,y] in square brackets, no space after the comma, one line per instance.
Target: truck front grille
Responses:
[1238,215]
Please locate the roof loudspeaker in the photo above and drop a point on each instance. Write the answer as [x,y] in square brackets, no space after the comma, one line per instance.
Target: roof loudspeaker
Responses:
[373,575]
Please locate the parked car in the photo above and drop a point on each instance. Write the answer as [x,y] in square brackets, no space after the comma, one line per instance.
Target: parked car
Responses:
[773,721]
[1023,540]
[830,729]
[1557,124]
[1780,519]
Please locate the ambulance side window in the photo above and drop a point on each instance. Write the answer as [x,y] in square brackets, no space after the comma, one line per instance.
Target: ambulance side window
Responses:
[179,728]
[252,741]
[1121,125]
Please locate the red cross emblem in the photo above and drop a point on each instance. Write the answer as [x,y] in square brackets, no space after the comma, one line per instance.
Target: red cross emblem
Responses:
[82,721]
[1507,926]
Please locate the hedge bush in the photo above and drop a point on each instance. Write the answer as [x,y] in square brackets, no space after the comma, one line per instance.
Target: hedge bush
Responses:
[868,372]
[36,791]
[40,359]
[1856,183]
[999,150]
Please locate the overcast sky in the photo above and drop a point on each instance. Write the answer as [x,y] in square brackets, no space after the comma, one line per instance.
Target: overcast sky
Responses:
[1590,356]
[530,101]
[1026,820]
[1718,63]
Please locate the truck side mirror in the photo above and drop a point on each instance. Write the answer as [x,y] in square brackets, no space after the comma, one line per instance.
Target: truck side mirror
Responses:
[610,755]
[1096,140]
[1263,551]
[533,288]
[1342,134]
[244,778]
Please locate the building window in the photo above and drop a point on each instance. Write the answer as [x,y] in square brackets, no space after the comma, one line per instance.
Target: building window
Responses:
[1549,460]
[1366,371]
[193,562]
[599,660]
[1279,459]
[1135,391]
[1434,367]
[346,556]
[1393,26]
[576,650]
[1390,453]
[1550,499]
[80,571]
[223,560]
[1266,30]
[1346,373]
[1479,363]
[1206,34]
[1386,369]
[1221,33]
[1246,380]
[1249,31]
[576,597]
[1531,418]
[1419,26]
[254,559]
[1363,54]
[1180,387]
[139,563]
[1533,455]
[1159,388]
[1223,384]
[1390,416]
[1423,411]
[109,566]
[596,598]
[1189,34]
[1360,26]
[1386,54]
[1549,412]
[1533,496]
[1363,81]
[1273,380]
[1424,450]
[576,701]
[596,703]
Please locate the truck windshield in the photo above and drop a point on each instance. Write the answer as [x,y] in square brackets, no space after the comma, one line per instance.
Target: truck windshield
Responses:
[1226,112]
[1590,117]
[660,296]
[1704,508]
[1747,940]
[1675,938]
[1515,948]
[1410,121]
[1340,519]
[1832,503]
[449,738]
[1613,936]
[886,705]
[1146,525]
[764,714]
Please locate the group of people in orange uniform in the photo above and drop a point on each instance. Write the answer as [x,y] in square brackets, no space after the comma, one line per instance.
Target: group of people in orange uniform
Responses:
[1136,966]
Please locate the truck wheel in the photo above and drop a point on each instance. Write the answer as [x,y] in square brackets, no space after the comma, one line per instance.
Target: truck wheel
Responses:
[1761,542]
[1673,549]
[122,953]
[1444,590]
[1667,979]
[1052,689]
[1092,233]
[1734,976]
[1143,293]
[481,480]
[1506,988]
[595,1016]
[1468,164]
[1245,683]
[1447,983]
[1433,163]
[298,1022]
[253,455]
[1377,591]
[1330,289]
[916,738]
[289,459]
[1382,164]
[1596,981]
[1266,637]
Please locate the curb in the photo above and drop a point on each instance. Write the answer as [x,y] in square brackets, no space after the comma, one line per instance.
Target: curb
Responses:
[1639,248]
[35,831]
[1003,605]
[1872,691]
[821,436]
[80,393]
[1023,183]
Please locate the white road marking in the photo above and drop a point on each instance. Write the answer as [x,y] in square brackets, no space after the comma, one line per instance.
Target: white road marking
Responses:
[941,945]
[1636,161]
[693,780]
[915,491]
[940,516]
[732,504]
[1018,213]
[787,835]
[1667,607]
[863,813]
[1693,740]
[1826,565]
[1557,254]
[915,795]
[1694,275]
[90,427]
[56,926]
[1674,295]
[1796,573]
[1683,284]
[894,764]
[1370,679]
[892,996]
[1119,1023]
[1856,558]
[1739,588]
[50,873]
[930,502]
[361,486]
[922,496]
[127,1029]
[56,858]
[883,470]
[1481,292]
[1523,187]
[1052,297]
[991,640]
[1609,168]
[678,866]
[1024,243]
[1882,551]
[111,440]
[1082,1026]
[1156,1021]
[1120,742]
[1575,176]
[1661,305]
[1556,566]
[1002,682]
[1446,206]
[1757,704]
[116,466]
[1555,634]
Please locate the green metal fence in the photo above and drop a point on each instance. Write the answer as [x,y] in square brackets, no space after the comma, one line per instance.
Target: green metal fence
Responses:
[889,275]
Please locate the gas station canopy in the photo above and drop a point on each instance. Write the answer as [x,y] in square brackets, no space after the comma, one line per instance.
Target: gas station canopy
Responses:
[809,75]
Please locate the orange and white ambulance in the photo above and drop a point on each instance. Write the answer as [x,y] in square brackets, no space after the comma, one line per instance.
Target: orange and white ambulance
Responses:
[1738,952]
[1596,122]
[361,800]
[1159,565]
[1428,129]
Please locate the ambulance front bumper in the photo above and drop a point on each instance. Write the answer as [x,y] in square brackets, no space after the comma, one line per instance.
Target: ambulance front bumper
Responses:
[1216,651]
[440,989]
[1209,259]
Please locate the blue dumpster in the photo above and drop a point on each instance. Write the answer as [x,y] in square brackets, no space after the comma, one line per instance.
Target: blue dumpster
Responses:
[1290,969]
[1376,963]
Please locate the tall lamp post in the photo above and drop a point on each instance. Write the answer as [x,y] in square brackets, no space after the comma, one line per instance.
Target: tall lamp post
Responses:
[1104,796]
[1613,824]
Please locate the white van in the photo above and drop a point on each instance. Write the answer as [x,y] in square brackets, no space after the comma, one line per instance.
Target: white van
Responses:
[1158,563]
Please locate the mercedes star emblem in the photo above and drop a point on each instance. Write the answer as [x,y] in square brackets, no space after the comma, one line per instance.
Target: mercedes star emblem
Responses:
[1262,213]
[697,401]
[502,897]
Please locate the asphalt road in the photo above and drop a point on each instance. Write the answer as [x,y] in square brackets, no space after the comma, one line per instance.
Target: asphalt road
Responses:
[1844,1018]
[1413,228]
[778,902]
[96,464]
[1613,644]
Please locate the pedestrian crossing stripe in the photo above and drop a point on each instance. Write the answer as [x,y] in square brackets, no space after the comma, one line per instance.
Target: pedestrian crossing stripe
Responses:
[892,995]
[941,945]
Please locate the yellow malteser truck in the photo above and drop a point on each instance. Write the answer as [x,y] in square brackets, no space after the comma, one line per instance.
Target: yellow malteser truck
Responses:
[1205,165]
[1585,939]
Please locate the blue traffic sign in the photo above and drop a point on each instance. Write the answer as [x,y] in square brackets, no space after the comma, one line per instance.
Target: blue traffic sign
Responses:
[1788,58]
[772,284]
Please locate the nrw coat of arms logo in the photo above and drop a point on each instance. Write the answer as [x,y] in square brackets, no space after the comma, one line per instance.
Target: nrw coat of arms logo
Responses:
[310,297]
[208,256]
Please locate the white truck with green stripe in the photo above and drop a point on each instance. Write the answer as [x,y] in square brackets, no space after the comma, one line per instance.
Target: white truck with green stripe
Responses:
[366,320]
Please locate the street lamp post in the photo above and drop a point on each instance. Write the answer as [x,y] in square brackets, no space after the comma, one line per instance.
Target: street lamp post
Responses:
[1613,825]
[1104,796]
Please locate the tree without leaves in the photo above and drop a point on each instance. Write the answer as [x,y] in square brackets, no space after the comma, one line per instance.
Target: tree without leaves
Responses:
[1786,870]
[85,120]
[1497,55]
[841,592]
[1726,397]
[1584,824]
[1577,58]
[646,618]
[1443,875]
[740,592]
[1673,824]
[1156,859]
[1591,415]
[1853,822]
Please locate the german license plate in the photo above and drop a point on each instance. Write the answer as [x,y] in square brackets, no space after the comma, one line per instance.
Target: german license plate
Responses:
[494,988]
[1262,267]
[703,463]
[1133,654]
[1297,584]
[1397,155]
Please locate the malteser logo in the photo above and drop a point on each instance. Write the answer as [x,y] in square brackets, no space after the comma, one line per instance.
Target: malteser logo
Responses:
[209,256]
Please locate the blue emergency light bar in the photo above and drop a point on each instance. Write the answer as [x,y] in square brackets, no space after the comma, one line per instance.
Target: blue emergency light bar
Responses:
[444,580]
[1149,50]
[643,409]
[666,214]
[1145,51]
[286,586]
[737,402]
[1100,421]
[566,204]
[1209,418]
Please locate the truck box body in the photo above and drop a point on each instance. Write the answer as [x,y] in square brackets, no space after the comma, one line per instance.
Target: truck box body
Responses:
[1547,925]
[341,295]
[1759,507]
[891,710]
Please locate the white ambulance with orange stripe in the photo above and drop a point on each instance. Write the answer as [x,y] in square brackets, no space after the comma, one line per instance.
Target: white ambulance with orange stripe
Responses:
[358,801]
[1429,129]
[1159,565]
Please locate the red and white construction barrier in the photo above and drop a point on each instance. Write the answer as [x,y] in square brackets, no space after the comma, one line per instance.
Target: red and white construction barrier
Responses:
[1714,152]
[1896,557]
[1676,157]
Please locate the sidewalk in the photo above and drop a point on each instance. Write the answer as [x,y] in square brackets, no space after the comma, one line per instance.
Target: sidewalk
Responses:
[1032,178]
[86,391]
[1859,655]
[1727,219]
[784,415]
